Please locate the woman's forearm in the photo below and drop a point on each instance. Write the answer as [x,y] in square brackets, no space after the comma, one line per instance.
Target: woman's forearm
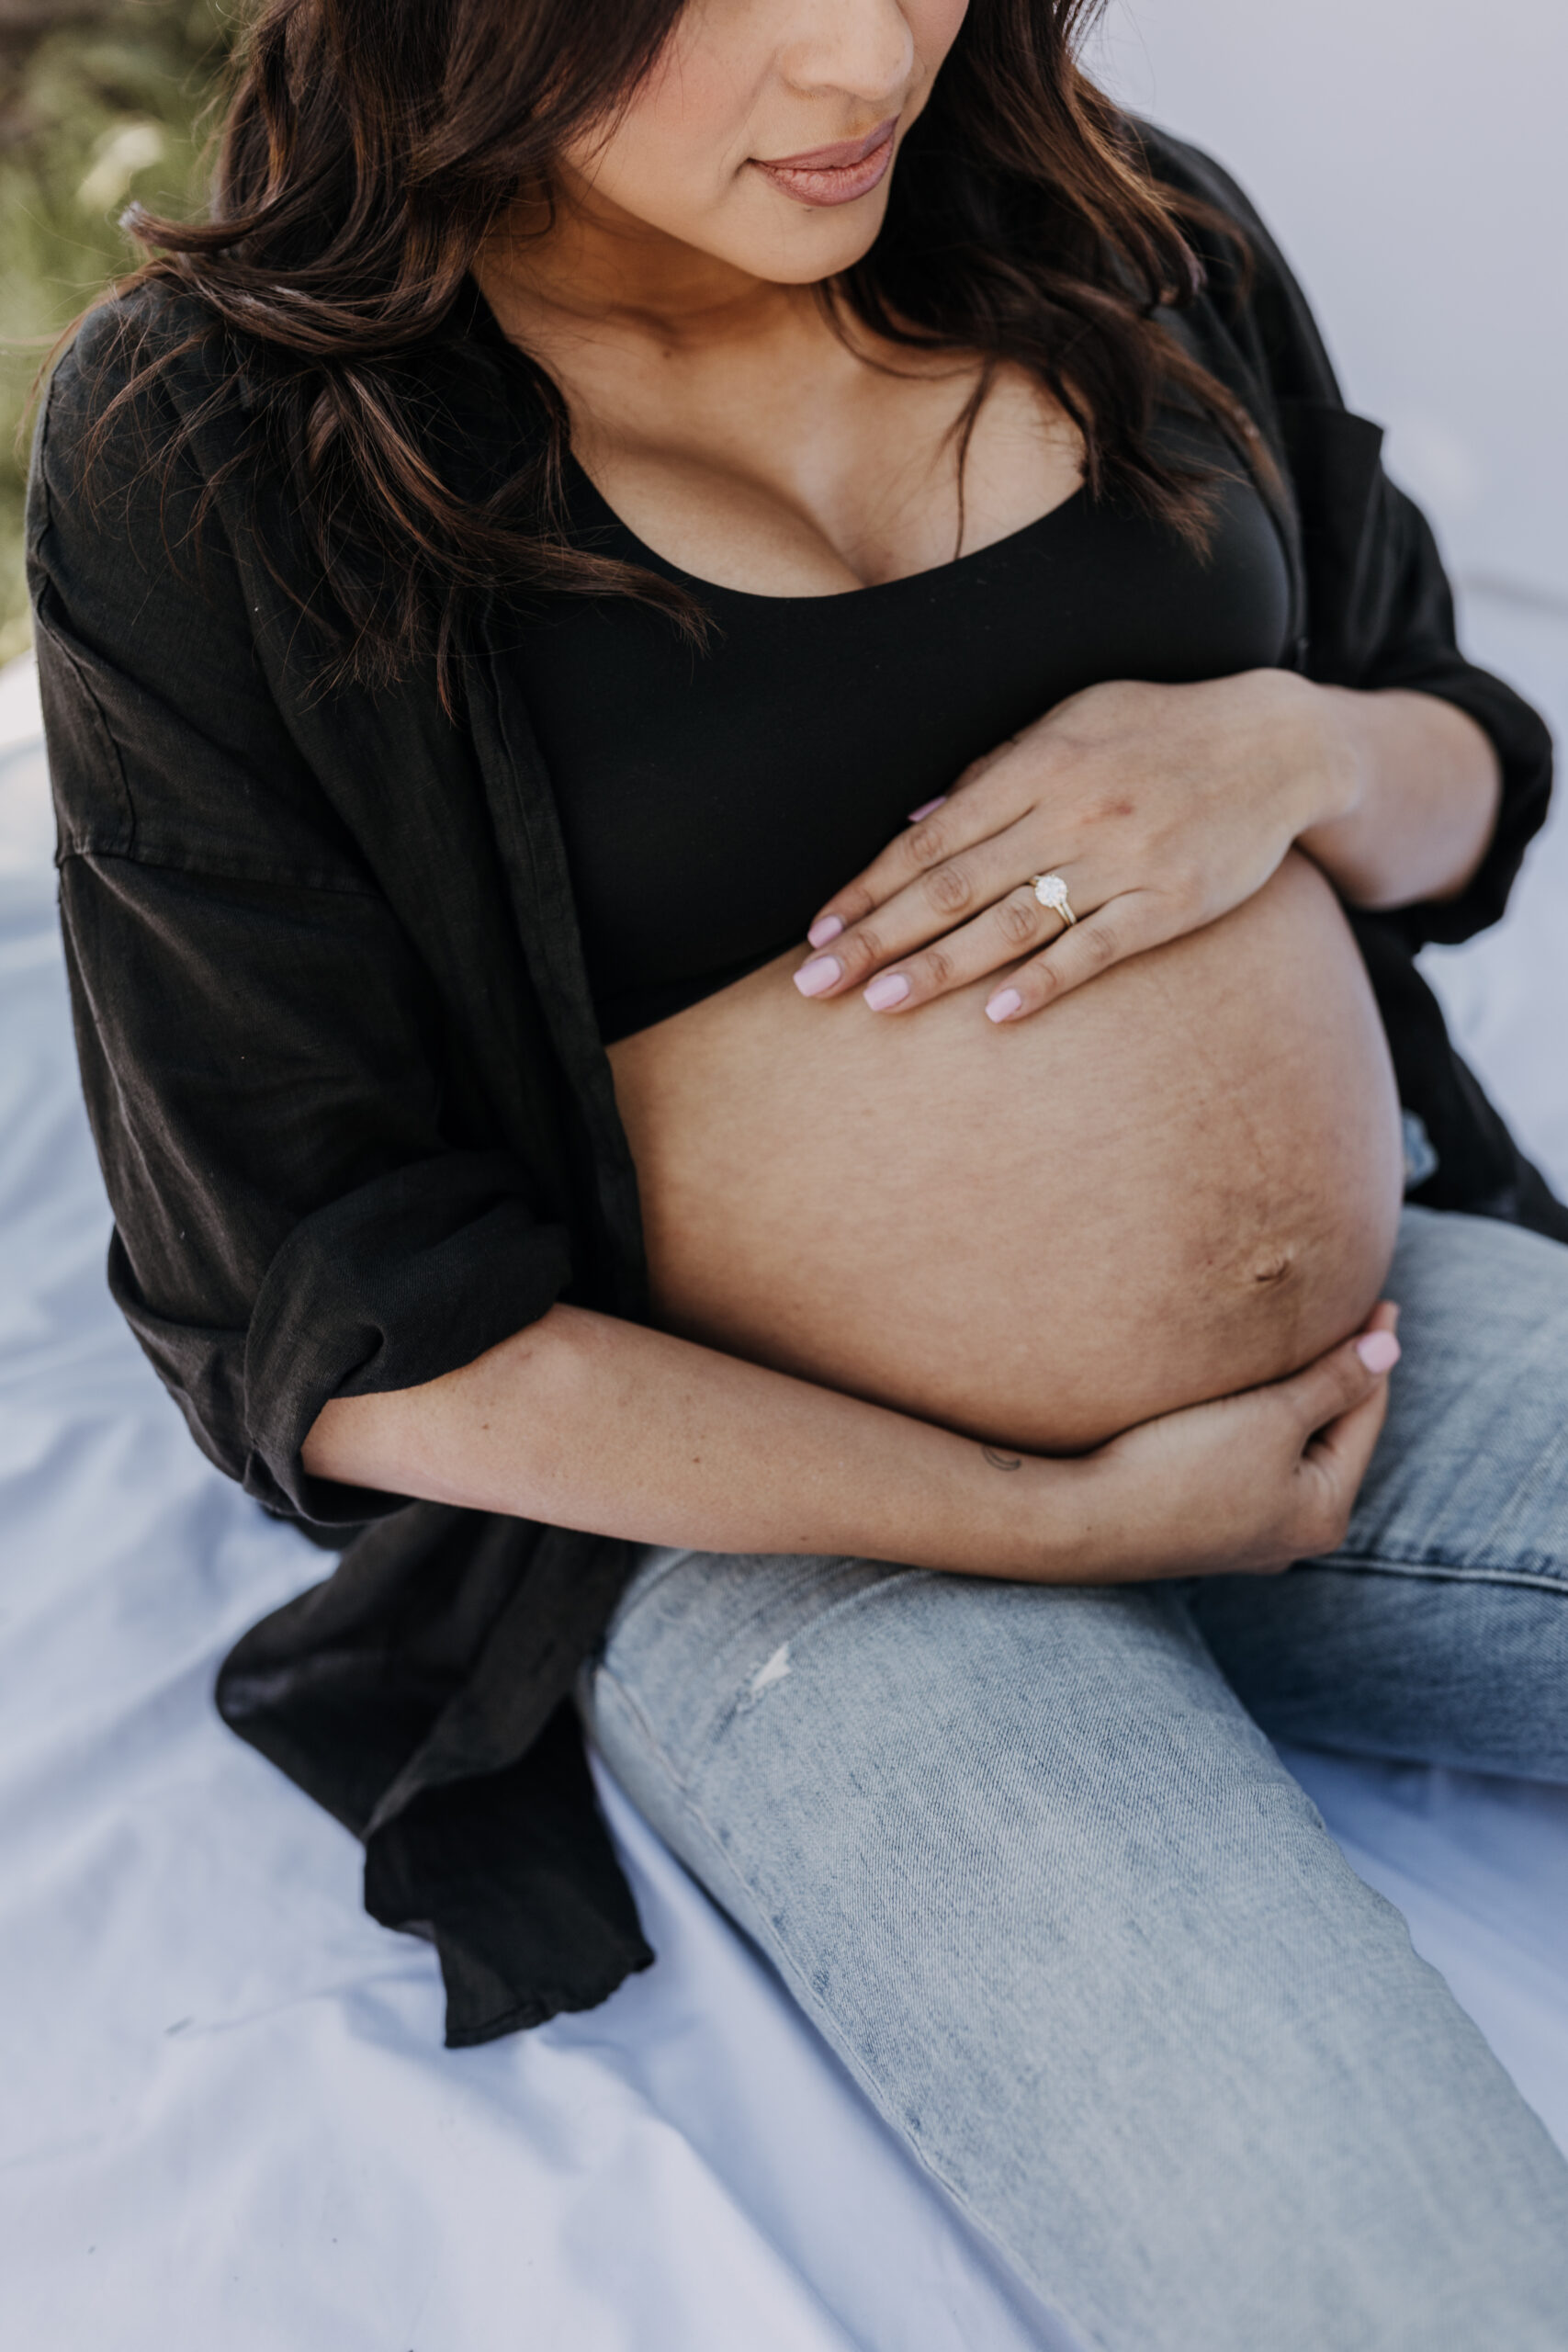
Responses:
[584,1420]
[1422,790]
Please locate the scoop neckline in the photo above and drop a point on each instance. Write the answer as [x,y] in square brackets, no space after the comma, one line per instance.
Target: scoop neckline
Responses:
[583,480]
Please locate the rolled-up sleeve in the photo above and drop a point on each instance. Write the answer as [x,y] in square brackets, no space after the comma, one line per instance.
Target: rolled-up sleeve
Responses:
[1378,610]
[261,1048]
[1382,617]
[258,1066]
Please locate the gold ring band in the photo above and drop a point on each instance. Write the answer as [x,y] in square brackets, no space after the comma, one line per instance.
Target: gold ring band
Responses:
[1051,891]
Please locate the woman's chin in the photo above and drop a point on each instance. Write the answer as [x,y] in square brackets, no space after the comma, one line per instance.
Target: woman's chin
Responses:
[785,242]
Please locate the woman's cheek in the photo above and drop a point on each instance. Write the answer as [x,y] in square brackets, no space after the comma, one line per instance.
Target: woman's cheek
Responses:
[934,25]
[677,158]
[677,151]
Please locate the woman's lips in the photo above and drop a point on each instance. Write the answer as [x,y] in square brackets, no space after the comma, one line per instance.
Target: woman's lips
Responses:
[834,174]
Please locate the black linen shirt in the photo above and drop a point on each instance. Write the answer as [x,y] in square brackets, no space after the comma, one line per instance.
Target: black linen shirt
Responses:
[354,1113]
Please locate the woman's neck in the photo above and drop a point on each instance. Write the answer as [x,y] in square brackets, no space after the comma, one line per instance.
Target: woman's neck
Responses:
[595,272]
[736,428]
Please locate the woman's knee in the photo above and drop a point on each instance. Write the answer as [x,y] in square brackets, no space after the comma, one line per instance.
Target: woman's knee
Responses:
[836,1677]
[892,1774]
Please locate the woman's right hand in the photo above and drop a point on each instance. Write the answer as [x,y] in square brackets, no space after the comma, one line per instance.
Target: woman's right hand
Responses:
[1248,1484]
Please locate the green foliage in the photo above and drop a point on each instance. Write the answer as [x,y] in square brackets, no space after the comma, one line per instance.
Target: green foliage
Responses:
[91,114]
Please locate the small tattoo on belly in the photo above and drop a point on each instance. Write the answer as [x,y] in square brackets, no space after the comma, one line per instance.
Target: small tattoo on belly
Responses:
[1002,1460]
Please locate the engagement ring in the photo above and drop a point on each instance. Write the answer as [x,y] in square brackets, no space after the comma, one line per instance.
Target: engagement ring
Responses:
[1051,891]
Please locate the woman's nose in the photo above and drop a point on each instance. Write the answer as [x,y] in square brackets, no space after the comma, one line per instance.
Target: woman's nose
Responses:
[865,48]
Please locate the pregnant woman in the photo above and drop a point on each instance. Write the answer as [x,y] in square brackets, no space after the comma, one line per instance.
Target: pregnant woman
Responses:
[749,761]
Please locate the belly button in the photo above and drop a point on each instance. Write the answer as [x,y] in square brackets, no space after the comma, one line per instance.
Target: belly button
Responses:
[1272,1266]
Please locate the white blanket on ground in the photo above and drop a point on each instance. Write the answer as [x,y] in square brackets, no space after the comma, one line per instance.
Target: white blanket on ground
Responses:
[228,2122]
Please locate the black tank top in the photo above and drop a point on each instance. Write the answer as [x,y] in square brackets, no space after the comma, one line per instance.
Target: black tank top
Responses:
[712,801]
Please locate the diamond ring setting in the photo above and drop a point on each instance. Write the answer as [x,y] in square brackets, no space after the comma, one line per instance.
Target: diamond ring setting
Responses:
[1051,891]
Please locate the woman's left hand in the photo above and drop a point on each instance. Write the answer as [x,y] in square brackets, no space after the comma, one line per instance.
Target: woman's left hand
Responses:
[1161,808]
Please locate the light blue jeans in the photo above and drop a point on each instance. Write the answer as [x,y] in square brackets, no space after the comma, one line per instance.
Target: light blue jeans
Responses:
[1027,1858]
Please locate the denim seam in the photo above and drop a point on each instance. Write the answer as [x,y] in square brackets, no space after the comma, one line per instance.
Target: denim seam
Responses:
[787,1966]
[1440,1571]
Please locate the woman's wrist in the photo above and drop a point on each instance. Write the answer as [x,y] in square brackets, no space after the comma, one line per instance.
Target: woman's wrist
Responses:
[1324,748]
[1421,784]
[1021,1517]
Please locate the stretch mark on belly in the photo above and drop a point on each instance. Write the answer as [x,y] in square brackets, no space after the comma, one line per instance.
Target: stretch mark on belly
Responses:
[1001,1461]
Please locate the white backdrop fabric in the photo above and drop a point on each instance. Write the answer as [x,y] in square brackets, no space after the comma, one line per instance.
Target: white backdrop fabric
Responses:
[1411,155]
[227,2120]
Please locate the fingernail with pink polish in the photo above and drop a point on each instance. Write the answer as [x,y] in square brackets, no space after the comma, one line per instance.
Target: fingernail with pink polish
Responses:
[1004,1004]
[887,990]
[1379,1350]
[928,808]
[819,974]
[824,930]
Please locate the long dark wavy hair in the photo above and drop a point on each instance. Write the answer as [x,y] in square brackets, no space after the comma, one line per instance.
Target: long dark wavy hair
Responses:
[370,146]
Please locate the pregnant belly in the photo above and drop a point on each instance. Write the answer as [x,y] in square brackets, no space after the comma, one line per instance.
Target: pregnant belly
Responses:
[1181,1180]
